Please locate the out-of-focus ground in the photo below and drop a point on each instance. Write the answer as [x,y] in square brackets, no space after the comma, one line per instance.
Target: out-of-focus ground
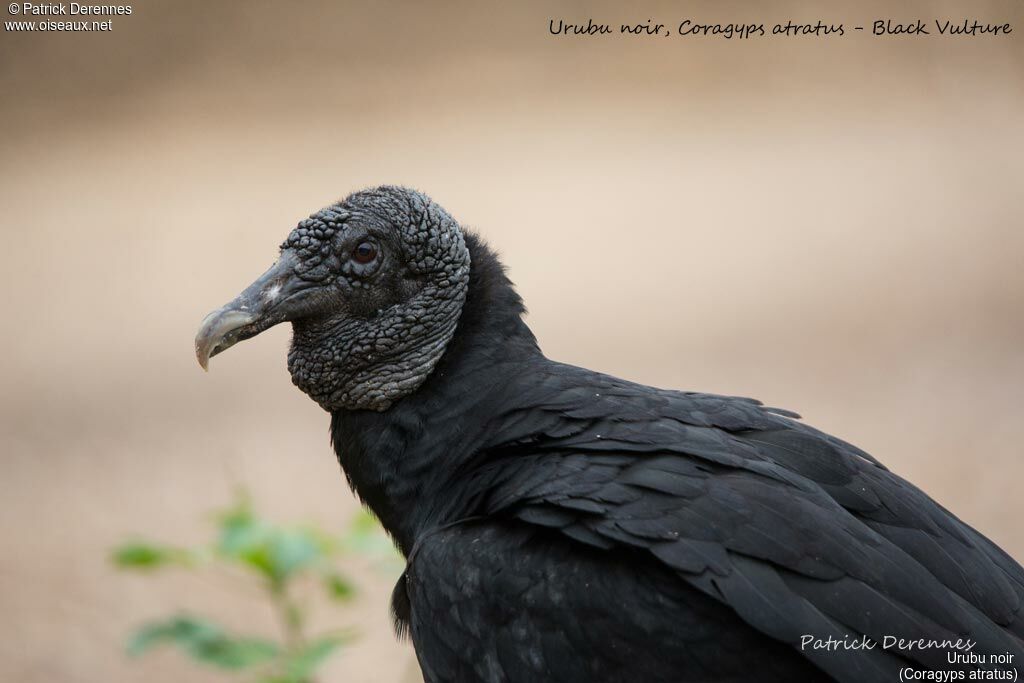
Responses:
[834,226]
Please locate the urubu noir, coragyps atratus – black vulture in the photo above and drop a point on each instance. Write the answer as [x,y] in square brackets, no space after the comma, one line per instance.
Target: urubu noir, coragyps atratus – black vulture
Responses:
[559,524]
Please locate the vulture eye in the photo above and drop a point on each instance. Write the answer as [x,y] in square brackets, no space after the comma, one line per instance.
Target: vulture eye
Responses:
[365,252]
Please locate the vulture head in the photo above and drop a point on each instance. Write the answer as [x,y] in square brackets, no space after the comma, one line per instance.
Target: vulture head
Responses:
[373,287]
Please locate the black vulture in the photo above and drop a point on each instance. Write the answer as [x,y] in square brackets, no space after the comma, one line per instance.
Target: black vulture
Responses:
[560,524]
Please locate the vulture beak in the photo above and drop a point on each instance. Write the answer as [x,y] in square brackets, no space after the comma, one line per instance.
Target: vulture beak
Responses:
[262,305]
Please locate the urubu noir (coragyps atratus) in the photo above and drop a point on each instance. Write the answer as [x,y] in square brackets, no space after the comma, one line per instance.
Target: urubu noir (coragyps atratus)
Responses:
[563,525]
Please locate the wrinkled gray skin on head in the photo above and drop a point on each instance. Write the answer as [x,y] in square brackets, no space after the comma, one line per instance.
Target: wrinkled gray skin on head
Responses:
[375,331]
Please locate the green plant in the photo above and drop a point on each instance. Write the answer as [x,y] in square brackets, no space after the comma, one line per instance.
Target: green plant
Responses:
[278,557]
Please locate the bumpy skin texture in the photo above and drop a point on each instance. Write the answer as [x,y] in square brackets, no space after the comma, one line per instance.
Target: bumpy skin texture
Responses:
[565,525]
[399,312]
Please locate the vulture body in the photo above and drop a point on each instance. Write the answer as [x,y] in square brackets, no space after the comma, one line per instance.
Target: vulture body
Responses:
[564,525]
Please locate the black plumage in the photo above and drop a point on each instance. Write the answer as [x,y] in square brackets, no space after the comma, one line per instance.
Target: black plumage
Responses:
[564,525]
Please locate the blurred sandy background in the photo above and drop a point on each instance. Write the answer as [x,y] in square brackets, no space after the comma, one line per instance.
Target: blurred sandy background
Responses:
[833,226]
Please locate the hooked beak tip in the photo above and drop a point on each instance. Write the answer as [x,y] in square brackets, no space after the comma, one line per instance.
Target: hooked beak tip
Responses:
[218,332]
[257,308]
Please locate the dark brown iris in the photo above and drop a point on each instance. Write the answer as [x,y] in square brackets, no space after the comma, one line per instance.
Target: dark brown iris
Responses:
[365,252]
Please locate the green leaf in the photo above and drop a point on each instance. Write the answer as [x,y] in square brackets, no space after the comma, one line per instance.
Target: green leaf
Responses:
[304,662]
[149,556]
[327,544]
[240,530]
[205,642]
[245,539]
[274,552]
[291,551]
[339,587]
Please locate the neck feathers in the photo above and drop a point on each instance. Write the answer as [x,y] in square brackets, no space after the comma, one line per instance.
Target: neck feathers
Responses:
[405,460]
